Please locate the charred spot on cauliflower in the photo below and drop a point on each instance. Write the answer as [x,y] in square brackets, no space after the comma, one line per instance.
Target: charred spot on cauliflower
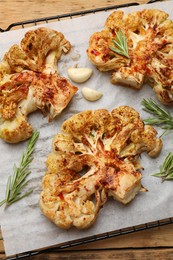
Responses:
[95,156]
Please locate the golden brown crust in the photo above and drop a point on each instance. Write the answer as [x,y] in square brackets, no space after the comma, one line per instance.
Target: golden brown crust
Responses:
[105,148]
[149,35]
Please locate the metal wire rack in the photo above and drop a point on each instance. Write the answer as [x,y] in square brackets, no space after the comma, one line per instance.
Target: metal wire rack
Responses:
[94,238]
[115,233]
[68,15]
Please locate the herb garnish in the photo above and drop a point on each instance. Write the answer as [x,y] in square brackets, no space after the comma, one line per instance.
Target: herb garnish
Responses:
[166,170]
[17,182]
[161,117]
[120,44]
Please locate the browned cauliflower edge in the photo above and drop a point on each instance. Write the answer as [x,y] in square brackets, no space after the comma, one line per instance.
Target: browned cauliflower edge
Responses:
[95,157]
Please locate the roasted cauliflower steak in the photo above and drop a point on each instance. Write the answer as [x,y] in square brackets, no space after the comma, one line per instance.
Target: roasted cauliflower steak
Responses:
[95,157]
[149,36]
[29,80]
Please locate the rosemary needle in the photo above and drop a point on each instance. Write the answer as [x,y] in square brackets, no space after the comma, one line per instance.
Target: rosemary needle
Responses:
[17,182]
[120,44]
[166,169]
[161,117]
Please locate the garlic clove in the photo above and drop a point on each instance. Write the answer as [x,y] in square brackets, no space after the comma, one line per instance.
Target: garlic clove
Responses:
[79,75]
[91,94]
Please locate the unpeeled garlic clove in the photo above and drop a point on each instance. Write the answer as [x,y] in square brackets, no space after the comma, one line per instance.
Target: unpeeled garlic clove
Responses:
[79,75]
[91,94]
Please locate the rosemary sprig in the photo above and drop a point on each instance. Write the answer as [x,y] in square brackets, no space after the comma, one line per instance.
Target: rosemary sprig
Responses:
[17,182]
[166,169]
[161,117]
[120,44]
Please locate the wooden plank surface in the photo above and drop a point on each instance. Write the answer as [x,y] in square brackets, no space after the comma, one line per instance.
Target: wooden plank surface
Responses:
[156,243]
[18,10]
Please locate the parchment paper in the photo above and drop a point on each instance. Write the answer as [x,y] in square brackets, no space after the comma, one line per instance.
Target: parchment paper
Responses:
[24,228]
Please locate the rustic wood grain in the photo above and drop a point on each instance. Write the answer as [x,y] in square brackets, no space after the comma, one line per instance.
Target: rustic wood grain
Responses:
[18,10]
[156,243]
[132,254]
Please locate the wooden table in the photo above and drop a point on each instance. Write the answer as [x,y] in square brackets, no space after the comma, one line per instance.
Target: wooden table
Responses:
[155,243]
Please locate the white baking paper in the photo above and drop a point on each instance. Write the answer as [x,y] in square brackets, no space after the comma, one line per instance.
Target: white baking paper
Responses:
[23,225]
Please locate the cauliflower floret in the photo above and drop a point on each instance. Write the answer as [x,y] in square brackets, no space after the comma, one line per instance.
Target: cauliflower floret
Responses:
[4,69]
[101,55]
[15,130]
[160,75]
[40,50]
[95,156]
[17,59]
[149,36]
[126,76]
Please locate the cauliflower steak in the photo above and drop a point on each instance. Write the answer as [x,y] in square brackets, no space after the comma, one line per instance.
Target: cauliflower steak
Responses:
[29,80]
[149,37]
[95,156]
